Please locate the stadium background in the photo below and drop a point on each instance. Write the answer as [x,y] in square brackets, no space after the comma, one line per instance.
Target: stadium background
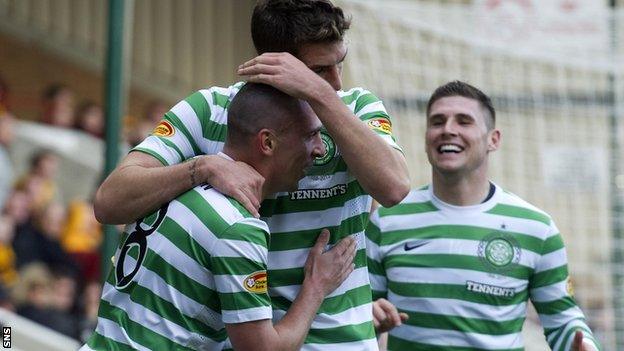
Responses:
[555,69]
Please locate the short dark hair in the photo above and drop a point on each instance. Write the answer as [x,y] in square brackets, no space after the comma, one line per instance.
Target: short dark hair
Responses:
[459,88]
[257,106]
[285,25]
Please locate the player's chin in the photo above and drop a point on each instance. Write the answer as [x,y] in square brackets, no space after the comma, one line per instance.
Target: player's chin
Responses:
[447,166]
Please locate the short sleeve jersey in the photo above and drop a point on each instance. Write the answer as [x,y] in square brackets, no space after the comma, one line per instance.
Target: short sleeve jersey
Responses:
[183,272]
[328,197]
[464,274]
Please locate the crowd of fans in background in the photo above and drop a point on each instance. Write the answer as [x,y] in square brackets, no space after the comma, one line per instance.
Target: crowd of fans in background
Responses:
[49,248]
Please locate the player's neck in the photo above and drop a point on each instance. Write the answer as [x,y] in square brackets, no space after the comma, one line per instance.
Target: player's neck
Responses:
[461,190]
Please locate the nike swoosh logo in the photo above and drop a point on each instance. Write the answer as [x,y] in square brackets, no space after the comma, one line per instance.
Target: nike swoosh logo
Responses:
[414,245]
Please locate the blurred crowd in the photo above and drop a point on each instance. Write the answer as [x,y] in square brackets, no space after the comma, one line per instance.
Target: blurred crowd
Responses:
[49,246]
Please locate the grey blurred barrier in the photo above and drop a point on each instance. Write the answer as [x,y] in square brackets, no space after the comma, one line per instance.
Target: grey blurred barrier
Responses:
[27,335]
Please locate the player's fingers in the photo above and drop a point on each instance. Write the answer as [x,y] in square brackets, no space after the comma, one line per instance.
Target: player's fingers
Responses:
[259,68]
[246,201]
[578,341]
[346,272]
[404,316]
[321,242]
[350,254]
[257,187]
[251,196]
[384,304]
[275,54]
[254,179]
[353,247]
[342,258]
[394,319]
[265,58]
[344,245]
[260,78]
[379,316]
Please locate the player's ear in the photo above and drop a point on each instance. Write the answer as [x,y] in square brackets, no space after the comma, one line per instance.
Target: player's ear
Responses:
[267,142]
[494,139]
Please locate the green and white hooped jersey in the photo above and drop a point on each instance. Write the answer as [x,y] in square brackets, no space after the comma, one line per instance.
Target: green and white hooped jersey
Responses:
[464,274]
[328,197]
[183,272]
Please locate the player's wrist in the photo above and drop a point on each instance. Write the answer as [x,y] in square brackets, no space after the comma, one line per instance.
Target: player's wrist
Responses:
[321,93]
[205,168]
[313,290]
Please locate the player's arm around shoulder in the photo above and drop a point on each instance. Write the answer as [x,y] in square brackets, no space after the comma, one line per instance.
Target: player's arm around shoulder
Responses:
[324,272]
[155,171]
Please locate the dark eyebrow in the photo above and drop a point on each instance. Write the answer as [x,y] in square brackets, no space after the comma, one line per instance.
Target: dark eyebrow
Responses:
[463,115]
[437,115]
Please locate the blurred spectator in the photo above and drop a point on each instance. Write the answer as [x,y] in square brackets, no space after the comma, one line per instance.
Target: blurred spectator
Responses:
[91,303]
[43,298]
[18,206]
[32,293]
[6,167]
[40,182]
[40,243]
[154,113]
[58,106]
[81,238]
[90,119]
[8,275]
[63,302]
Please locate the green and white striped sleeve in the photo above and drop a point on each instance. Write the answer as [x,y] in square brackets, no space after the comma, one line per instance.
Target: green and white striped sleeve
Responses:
[551,294]
[371,110]
[239,264]
[195,126]
[376,271]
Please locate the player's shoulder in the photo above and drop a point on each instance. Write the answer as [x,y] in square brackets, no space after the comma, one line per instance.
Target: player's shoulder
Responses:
[226,208]
[220,96]
[363,103]
[355,93]
[513,205]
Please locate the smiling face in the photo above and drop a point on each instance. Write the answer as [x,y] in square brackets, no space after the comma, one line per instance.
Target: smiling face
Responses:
[325,59]
[298,145]
[457,140]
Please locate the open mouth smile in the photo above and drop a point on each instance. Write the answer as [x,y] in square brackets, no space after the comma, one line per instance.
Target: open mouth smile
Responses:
[450,148]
